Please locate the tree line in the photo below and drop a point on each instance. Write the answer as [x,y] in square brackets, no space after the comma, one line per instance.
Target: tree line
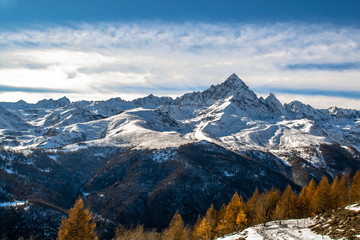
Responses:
[236,215]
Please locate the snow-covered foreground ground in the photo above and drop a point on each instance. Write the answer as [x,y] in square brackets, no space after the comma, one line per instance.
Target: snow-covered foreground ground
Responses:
[355,207]
[278,230]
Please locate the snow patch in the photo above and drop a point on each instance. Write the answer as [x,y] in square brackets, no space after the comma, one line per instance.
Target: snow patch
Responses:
[85,194]
[53,157]
[354,207]
[229,174]
[9,170]
[46,170]
[163,155]
[276,230]
[13,204]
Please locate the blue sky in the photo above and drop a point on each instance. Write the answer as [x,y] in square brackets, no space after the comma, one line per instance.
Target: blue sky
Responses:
[339,12]
[111,48]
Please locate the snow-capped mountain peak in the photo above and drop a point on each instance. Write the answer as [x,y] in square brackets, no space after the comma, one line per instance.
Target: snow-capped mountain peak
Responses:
[50,103]
[275,105]
[229,114]
[235,82]
[231,86]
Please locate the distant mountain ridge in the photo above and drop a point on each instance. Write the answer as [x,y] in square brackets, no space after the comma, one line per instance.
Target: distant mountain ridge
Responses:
[136,155]
[228,114]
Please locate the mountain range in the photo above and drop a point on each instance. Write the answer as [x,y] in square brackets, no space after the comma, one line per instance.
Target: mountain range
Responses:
[139,161]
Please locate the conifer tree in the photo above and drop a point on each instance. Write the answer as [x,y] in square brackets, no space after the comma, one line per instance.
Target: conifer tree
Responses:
[206,228]
[241,220]
[220,221]
[310,193]
[345,185]
[336,194]
[233,209]
[320,202]
[303,204]
[251,208]
[355,188]
[78,225]
[222,211]
[260,209]
[286,206]
[176,230]
[136,233]
[266,205]
[195,232]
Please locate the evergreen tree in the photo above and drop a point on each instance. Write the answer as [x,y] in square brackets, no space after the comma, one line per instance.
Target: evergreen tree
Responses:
[321,200]
[176,230]
[78,225]
[286,206]
[355,188]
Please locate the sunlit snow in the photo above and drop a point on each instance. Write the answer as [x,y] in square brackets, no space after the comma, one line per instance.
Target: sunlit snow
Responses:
[278,230]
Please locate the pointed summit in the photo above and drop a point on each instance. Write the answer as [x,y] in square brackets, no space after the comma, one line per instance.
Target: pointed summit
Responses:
[233,85]
[234,81]
[275,105]
[272,99]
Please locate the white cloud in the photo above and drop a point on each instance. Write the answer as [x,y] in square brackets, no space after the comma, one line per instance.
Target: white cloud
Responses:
[113,59]
[321,102]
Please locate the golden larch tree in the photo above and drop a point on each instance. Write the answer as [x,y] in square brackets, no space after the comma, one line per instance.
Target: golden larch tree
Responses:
[228,223]
[251,208]
[345,185]
[241,220]
[219,226]
[355,188]
[286,206]
[266,205]
[206,229]
[310,193]
[303,204]
[321,200]
[195,233]
[337,194]
[78,225]
[176,230]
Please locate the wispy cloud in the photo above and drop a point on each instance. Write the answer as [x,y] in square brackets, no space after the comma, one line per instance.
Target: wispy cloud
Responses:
[311,92]
[325,66]
[4,88]
[112,59]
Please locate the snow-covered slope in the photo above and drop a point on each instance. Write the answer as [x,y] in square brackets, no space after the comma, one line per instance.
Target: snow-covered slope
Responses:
[278,230]
[228,114]
[341,223]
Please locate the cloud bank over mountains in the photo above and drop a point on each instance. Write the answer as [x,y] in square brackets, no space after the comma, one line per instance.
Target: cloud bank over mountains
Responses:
[103,60]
